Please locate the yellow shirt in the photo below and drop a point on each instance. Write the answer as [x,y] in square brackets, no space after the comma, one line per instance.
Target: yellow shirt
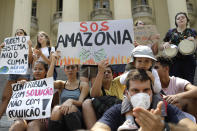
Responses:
[116,88]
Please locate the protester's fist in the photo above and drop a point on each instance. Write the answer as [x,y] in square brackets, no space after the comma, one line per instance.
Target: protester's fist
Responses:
[102,65]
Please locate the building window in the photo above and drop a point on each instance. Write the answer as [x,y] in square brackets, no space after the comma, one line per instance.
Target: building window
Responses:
[140,2]
[101,4]
[59,5]
[144,2]
[33,10]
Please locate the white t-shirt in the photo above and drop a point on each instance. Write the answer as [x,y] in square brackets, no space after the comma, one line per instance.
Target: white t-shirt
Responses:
[157,82]
[45,52]
[176,85]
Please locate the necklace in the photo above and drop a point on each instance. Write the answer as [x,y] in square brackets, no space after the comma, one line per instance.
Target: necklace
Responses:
[71,85]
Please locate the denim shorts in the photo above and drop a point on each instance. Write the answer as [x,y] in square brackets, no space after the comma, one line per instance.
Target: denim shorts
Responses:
[18,76]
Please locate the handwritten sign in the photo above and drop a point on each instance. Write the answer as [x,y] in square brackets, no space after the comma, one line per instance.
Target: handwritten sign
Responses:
[91,42]
[31,100]
[14,56]
[146,34]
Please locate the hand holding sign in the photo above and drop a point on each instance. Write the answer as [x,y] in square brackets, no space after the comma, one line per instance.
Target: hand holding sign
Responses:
[14,55]
[31,100]
[2,45]
[102,65]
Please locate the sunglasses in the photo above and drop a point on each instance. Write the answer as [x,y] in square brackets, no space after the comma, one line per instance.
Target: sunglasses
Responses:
[70,67]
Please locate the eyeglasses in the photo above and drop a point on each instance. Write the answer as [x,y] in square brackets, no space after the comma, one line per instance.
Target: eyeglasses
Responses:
[70,67]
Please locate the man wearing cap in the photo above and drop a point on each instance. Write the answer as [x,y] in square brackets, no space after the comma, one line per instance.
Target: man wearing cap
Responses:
[139,82]
[141,58]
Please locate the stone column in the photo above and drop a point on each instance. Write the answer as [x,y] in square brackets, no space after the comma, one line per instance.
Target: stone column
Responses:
[175,6]
[122,10]
[70,10]
[22,15]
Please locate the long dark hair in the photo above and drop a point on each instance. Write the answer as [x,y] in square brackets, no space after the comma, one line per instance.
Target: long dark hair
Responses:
[184,15]
[38,45]
[24,32]
[45,65]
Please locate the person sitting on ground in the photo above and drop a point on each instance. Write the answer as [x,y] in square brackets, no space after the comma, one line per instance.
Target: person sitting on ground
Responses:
[67,116]
[141,58]
[139,82]
[177,90]
[39,72]
[103,87]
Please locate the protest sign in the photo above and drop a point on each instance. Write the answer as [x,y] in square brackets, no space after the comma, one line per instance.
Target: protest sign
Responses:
[14,55]
[91,42]
[31,100]
[146,34]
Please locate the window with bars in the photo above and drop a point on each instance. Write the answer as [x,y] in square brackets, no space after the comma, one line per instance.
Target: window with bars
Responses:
[34,8]
[101,4]
[59,5]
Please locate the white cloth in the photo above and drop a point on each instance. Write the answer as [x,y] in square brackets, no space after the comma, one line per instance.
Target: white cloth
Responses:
[45,52]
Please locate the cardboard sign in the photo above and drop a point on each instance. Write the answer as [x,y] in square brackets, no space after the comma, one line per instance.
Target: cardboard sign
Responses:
[31,100]
[146,35]
[91,42]
[14,55]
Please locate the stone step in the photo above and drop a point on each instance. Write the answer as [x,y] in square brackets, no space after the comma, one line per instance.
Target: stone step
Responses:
[5,123]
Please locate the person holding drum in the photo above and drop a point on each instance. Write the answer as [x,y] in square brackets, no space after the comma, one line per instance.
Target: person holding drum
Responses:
[184,63]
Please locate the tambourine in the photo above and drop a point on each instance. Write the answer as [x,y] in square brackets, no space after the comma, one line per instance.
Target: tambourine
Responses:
[171,51]
[187,47]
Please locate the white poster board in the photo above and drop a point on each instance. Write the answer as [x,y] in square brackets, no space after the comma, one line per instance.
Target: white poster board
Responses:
[90,42]
[31,100]
[14,55]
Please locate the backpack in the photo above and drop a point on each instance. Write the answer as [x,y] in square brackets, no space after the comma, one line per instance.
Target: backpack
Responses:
[103,103]
[55,71]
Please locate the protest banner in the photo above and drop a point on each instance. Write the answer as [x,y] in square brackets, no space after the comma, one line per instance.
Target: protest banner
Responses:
[91,42]
[146,35]
[31,100]
[14,55]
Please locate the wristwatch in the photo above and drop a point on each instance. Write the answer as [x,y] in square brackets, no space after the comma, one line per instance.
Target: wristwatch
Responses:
[166,127]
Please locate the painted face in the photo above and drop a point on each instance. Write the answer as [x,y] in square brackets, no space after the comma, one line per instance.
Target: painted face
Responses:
[143,63]
[20,33]
[181,20]
[41,38]
[70,70]
[108,74]
[39,71]
[139,87]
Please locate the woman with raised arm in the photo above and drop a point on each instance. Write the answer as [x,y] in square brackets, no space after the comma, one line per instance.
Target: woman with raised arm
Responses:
[39,72]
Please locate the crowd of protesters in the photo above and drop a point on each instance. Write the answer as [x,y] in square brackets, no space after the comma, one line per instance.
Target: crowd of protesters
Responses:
[90,98]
